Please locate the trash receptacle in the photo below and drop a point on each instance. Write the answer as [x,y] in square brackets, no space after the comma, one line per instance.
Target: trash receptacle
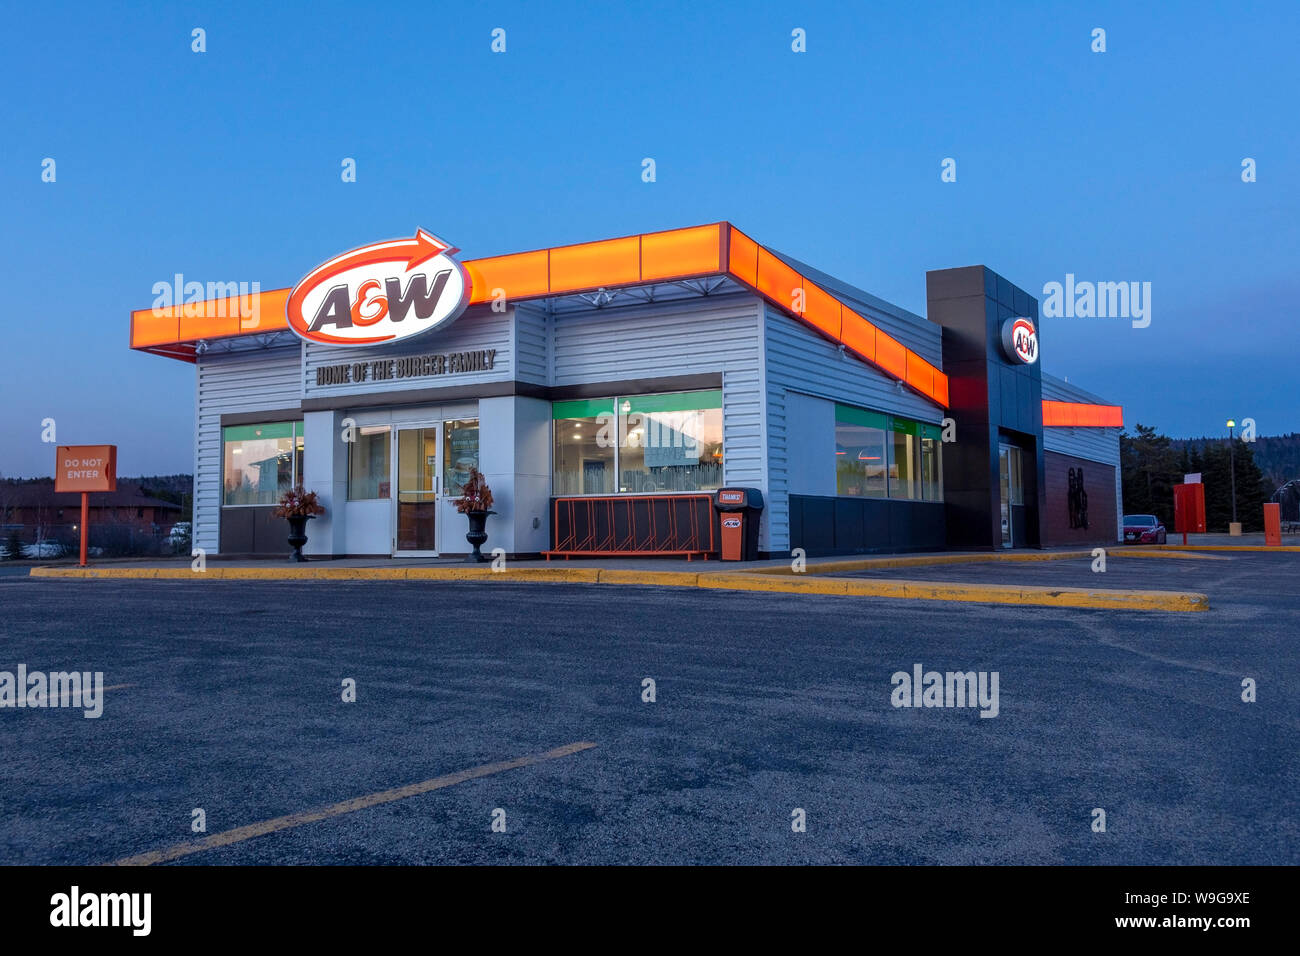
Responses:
[739,510]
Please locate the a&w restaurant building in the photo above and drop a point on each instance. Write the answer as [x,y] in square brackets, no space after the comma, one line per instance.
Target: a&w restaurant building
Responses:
[609,390]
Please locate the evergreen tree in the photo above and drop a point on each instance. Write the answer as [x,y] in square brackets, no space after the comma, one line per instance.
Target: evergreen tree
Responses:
[1149,469]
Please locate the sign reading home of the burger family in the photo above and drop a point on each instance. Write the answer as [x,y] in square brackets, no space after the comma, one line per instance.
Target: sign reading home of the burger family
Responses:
[411,366]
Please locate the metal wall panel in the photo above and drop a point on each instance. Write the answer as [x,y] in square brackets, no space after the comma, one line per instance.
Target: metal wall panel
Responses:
[226,383]
[532,345]
[799,360]
[1094,444]
[679,337]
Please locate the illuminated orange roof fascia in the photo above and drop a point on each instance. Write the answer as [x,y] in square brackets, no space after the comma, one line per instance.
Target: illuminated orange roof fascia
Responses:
[673,255]
[1081,415]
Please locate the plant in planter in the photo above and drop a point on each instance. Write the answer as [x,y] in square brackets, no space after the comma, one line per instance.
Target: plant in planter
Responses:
[476,502]
[299,506]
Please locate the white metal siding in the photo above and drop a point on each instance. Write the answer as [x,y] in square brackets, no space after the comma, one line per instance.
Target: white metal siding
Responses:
[532,346]
[681,337]
[1059,390]
[228,383]
[799,360]
[1094,444]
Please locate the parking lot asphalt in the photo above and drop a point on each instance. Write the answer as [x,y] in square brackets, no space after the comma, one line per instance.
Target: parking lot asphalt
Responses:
[1256,578]
[229,700]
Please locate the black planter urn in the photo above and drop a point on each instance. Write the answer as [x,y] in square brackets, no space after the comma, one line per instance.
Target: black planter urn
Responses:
[477,534]
[298,535]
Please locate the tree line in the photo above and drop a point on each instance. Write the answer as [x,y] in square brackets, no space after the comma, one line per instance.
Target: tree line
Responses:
[1152,463]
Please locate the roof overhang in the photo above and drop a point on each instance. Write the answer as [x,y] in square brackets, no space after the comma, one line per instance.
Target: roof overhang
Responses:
[676,256]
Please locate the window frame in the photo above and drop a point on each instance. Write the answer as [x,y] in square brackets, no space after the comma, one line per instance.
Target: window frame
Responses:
[890,426]
[612,406]
[387,431]
[444,451]
[297,451]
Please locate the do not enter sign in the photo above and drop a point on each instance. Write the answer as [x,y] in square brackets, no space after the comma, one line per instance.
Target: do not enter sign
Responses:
[86,468]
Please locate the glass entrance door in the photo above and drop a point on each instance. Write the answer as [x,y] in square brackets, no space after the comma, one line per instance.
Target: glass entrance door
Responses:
[418,483]
[1004,491]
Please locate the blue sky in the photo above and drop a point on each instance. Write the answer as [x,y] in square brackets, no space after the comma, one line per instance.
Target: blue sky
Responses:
[224,166]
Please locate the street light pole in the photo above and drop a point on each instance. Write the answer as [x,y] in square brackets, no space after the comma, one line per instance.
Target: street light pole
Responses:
[1232,466]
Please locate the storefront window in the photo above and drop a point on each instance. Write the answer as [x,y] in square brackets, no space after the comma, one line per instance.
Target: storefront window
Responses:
[904,459]
[670,442]
[860,463]
[931,463]
[652,443]
[368,465]
[878,456]
[260,462]
[584,447]
[459,454]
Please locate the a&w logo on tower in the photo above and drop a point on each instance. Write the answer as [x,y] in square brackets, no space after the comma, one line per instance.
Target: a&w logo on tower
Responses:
[380,293]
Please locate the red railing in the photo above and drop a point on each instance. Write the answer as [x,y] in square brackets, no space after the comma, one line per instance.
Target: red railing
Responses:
[633,525]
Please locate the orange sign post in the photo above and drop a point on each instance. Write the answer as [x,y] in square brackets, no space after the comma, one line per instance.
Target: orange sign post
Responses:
[1273,524]
[85,468]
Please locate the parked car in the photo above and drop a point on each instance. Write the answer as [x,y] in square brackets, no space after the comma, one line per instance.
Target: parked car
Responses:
[45,548]
[1143,529]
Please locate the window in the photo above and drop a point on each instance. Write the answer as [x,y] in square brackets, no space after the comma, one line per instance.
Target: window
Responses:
[584,448]
[904,459]
[670,442]
[649,443]
[1017,477]
[260,462]
[931,463]
[368,463]
[879,456]
[860,456]
[459,454]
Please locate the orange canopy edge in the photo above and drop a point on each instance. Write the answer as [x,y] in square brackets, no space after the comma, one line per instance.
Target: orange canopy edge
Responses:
[675,254]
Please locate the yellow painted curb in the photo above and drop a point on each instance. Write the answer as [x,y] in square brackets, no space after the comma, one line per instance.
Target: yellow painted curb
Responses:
[768,582]
[734,581]
[681,579]
[318,573]
[978,593]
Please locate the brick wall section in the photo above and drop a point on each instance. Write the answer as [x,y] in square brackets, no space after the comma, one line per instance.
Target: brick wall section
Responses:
[1098,483]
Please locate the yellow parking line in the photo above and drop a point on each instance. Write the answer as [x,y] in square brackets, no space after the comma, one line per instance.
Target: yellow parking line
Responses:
[239,834]
[915,561]
[1140,553]
[1231,547]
